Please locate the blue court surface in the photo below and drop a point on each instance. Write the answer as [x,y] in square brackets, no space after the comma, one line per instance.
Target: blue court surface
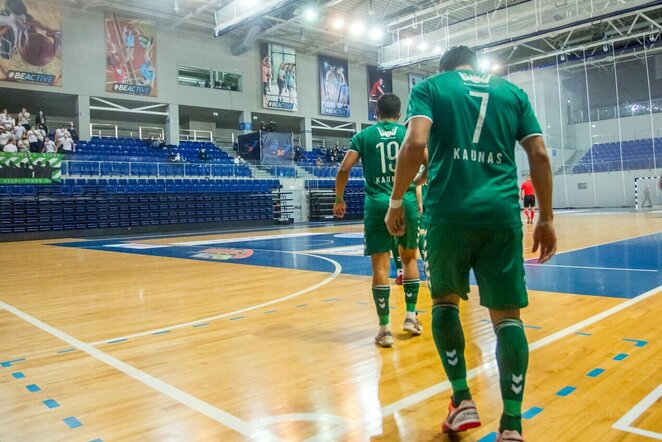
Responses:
[621,269]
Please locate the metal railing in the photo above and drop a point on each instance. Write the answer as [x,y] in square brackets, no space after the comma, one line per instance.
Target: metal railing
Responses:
[612,166]
[152,169]
[196,135]
[107,130]
[613,112]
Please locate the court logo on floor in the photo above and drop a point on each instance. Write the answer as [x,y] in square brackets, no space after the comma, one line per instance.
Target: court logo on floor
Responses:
[224,254]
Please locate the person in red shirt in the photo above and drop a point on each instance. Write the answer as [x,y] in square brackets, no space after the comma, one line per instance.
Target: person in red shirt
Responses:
[528,196]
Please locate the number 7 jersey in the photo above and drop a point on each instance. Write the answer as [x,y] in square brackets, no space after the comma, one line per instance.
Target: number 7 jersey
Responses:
[477,119]
[378,146]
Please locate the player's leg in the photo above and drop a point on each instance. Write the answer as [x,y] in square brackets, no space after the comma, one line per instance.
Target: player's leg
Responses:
[408,244]
[448,260]
[499,272]
[398,262]
[533,208]
[378,246]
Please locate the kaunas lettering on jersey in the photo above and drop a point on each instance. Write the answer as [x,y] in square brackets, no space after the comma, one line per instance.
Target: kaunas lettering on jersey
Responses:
[477,155]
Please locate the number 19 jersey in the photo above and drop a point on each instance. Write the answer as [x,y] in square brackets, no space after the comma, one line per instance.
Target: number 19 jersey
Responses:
[378,147]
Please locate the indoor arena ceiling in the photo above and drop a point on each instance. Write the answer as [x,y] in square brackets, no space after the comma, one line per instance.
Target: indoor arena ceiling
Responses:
[388,22]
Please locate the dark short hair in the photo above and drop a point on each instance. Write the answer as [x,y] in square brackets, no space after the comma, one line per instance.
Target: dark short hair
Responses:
[458,56]
[388,106]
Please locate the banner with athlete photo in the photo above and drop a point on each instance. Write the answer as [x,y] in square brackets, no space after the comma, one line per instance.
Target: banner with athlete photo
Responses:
[379,83]
[414,80]
[31,42]
[279,77]
[29,168]
[334,86]
[130,56]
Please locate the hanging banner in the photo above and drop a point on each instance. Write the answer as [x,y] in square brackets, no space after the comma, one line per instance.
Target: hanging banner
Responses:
[276,148]
[130,56]
[414,80]
[334,86]
[279,77]
[29,168]
[31,42]
[379,83]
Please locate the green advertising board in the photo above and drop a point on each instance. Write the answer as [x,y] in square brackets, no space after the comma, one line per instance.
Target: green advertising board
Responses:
[30,168]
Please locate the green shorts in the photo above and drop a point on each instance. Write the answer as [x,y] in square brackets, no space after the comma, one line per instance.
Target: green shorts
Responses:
[376,237]
[495,255]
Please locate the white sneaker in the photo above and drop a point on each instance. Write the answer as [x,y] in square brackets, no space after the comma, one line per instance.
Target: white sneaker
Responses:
[384,338]
[462,418]
[413,326]
[510,436]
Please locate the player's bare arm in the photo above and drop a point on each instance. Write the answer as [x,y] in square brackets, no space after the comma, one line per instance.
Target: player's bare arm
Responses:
[544,235]
[339,207]
[409,161]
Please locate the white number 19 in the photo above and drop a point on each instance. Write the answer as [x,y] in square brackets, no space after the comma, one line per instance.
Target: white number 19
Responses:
[484,98]
[390,152]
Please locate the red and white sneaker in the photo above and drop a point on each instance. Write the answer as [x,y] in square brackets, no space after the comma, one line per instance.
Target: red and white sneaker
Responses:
[461,418]
[398,279]
[510,436]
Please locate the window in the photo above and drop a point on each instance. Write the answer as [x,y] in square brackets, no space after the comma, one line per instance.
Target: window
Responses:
[208,78]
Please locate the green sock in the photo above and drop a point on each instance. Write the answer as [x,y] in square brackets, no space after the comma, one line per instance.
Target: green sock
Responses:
[411,293]
[396,257]
[449,339]
[380,294]
[512,354]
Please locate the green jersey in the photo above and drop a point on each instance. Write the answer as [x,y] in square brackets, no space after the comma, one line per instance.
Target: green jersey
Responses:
[476,121]
[378,147]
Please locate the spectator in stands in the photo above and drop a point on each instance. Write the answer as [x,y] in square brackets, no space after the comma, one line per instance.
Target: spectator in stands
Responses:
[202,154]
[3,115]
[40,120]
[178,157]
[272,126]
[154,142]
[8,123]
[19,130]
[58,133]
[10,147]
[5,137]
[235,146]
[41,135]
[48,146]
[236,161]
[66,143]
[319,162]
[23,144]
[74,134]
[263,126]
[33,139]
[24,118]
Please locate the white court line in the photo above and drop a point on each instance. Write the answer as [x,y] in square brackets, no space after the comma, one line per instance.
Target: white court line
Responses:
[590,268]
[194,403]
[245,238]
[625,423]
[336,272]
[488,366]
[602,244]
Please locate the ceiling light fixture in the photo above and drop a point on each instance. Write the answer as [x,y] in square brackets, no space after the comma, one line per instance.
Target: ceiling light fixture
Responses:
[338,23]
[357,29]
[376,33]
[310,14]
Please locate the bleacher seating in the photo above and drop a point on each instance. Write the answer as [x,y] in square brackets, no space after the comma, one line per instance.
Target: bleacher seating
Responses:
[107,157]
[94,203]
[606,157]
[354,194]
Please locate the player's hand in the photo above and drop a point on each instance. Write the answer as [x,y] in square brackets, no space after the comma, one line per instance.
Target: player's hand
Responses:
[395,221]
[544,237]
[339,209]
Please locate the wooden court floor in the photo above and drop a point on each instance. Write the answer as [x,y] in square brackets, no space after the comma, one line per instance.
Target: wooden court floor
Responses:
[99,345]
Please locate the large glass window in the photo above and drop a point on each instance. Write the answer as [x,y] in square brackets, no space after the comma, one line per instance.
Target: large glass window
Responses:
[209,78]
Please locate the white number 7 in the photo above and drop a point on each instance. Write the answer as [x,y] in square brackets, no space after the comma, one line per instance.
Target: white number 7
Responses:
[484,98]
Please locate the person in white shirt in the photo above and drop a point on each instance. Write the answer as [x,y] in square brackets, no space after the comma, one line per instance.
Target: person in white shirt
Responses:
[33,139]
[5,137]
[49,146]
[8,123]
[3,115]
[10,147]
[23,144]
[67,143]
[19,131]
[24,118]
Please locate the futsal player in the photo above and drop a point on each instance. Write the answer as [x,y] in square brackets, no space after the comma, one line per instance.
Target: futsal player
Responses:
[528,197]
[378,147]
[470,123]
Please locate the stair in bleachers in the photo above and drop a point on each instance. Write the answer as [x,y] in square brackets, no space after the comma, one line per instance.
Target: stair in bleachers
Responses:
[627,155]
